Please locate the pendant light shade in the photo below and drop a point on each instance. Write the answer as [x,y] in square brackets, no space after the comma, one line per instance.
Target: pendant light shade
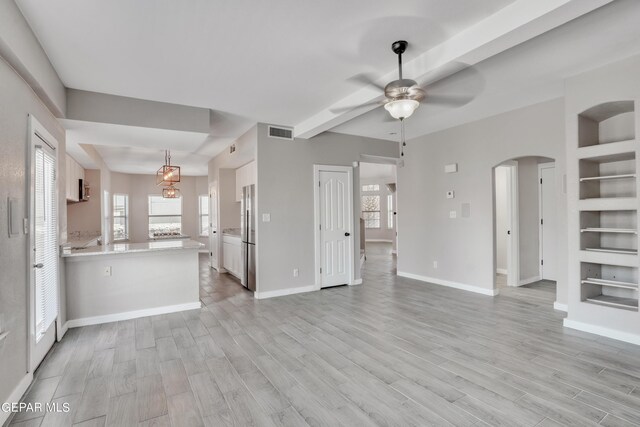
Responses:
[168,174]
[170,192]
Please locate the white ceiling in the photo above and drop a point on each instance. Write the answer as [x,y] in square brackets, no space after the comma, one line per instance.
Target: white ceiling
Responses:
[139,150]
[284,61]
[524,75]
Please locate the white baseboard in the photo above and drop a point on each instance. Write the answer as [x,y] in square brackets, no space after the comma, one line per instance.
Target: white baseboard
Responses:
[96,320]
[362,259]
[379,240]
[61,331]
[16,395]
[357,282]
[560,307]
[602,331]
[502,271]
[450,284]
[283,292]
[203,251]
[529,280]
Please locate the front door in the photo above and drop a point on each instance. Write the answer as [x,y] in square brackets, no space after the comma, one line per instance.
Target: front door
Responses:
[213,228]
[44,246]
[335,229]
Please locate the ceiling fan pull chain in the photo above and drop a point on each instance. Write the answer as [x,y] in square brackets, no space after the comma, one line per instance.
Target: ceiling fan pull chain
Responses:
[404,144]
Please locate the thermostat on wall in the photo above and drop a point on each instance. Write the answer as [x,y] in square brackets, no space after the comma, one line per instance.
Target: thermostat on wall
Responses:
[452,168]
[450,194]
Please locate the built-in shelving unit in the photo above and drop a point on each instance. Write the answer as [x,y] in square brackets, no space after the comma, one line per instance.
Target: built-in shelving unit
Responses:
[608,205]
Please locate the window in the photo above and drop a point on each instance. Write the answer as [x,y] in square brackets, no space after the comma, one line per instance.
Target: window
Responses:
[165,216]
[371,187]
[371,211]
[390,211]
[204,215]
[120,217]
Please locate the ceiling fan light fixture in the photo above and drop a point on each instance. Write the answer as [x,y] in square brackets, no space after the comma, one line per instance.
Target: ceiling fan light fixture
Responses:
[401,108]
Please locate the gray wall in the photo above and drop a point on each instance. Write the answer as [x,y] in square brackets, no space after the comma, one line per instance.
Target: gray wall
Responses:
[285,190]
[17,101]
[463,247]
[21,49]
[139,187]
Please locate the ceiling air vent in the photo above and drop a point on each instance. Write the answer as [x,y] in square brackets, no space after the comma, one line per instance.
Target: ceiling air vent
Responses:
[232,148]
[281,132]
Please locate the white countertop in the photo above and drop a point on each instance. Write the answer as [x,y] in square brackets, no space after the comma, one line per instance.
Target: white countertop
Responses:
[124,248]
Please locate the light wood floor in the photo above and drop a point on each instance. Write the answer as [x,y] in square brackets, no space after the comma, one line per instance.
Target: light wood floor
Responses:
[390,352]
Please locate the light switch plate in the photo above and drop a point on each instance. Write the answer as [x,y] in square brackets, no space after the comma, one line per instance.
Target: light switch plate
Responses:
[266,217]
[451,194]
[453,214]
[452,168]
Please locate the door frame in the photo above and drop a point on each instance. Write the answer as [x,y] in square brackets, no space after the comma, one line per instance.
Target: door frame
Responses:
[548,165]
[316,220]
[213,189]
[513,245]
[36,132]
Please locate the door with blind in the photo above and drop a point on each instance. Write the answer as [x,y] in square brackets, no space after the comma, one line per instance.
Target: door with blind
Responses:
[44,246]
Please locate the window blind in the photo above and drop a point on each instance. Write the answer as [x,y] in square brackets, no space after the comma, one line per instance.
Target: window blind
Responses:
[46,242]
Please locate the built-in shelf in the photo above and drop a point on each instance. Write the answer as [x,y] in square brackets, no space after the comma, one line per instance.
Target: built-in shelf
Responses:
[609,230]
[613,250]
[608,204]
[610,283]
[615,151]
[608,177]
[617,302]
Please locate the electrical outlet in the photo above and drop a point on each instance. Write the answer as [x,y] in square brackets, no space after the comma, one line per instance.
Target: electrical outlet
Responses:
[453,214]
[107,271]
[266,217]
[295,272]
[435,264]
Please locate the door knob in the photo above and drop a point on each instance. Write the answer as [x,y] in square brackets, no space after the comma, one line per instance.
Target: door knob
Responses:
[508,231]
[38,265]
[347,234]
[214,231]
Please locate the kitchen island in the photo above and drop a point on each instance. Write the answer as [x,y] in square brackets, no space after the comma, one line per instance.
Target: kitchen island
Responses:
[130,280]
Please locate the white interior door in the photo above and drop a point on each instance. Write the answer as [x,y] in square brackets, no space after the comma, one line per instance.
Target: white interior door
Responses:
[548,222]
[335,209]
[213,228]
[44,250]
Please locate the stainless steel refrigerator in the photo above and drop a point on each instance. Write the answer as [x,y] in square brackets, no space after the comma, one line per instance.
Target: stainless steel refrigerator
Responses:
[248,236]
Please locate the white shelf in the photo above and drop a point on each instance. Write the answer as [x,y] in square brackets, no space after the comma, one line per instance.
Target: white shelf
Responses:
[609,230]
[623,260]
[608,177]
[613,250]
[608,204]
[610,283]
[611,152]
[617,302]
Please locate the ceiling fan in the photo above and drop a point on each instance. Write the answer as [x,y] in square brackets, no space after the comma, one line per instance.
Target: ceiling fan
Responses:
[403,96]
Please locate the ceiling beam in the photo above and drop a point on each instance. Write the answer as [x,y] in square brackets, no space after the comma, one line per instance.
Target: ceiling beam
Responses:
[514,24]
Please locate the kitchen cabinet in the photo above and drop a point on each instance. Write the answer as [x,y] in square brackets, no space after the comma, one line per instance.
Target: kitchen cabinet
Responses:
[246,175]
[231,255]
[74,173]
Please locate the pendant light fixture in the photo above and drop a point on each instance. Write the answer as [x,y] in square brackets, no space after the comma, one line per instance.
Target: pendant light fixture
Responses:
[168,174]
[171,192]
